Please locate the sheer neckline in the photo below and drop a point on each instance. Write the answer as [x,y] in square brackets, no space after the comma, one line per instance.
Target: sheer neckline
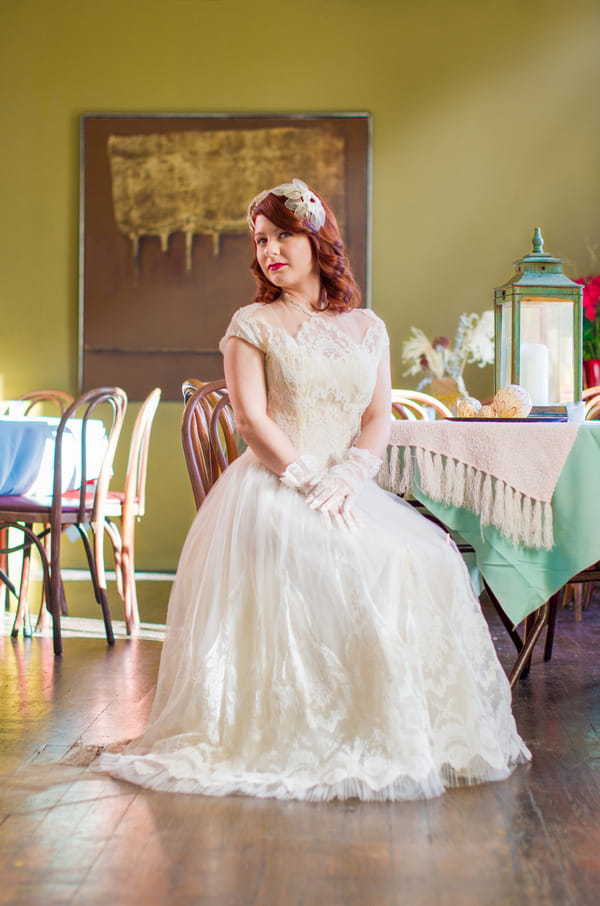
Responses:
[327,322]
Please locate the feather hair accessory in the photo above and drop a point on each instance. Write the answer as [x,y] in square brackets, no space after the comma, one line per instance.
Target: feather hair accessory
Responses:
[299,199]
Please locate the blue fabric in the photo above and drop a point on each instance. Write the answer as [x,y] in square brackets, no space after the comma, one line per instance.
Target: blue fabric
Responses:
[22,444]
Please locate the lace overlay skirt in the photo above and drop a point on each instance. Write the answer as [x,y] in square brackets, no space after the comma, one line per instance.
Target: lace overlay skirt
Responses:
[304,662]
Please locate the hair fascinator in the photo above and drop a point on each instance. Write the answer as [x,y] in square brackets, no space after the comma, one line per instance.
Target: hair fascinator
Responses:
[299,199]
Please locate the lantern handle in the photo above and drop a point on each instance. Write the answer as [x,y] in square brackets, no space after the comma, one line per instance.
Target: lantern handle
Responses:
[538,242]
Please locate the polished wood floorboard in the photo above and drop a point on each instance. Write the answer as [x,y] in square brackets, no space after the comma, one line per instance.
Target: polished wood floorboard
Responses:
[72,836]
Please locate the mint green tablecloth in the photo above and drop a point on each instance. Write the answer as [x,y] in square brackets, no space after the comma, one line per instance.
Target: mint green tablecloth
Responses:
[523,578]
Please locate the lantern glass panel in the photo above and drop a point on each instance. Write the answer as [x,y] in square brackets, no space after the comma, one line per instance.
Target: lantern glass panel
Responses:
[505,345]
[546,353]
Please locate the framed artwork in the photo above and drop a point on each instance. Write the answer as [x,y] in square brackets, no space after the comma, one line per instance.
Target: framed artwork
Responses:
[164,244]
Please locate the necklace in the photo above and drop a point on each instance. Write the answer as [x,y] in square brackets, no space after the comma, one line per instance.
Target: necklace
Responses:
[307,311]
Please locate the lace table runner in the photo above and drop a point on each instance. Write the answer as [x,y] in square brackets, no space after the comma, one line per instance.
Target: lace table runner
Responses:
[506,472]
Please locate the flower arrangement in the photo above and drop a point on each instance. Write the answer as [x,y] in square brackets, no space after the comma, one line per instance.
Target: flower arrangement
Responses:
[591,316]
[439,359]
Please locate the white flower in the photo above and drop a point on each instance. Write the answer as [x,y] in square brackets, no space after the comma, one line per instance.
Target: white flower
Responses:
[479,338]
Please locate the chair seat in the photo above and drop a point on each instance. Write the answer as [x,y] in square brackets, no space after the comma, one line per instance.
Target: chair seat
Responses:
[31,509]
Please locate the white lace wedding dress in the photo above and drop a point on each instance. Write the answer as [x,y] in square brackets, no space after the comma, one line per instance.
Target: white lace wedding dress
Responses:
[306,662]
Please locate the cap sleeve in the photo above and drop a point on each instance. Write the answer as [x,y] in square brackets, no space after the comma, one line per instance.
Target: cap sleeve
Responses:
[245,325]
[377,337]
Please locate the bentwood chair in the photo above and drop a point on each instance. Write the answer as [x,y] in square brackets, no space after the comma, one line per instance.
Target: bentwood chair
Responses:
[58,398]
[207,435]
[190,386]
[591,398]
[129,506]
[413,404]
[58,401]
[86,508]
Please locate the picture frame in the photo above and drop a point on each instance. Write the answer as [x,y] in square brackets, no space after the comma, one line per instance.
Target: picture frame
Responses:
[164,247]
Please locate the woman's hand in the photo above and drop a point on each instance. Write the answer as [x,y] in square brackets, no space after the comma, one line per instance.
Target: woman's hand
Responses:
[302,474]
[334,492]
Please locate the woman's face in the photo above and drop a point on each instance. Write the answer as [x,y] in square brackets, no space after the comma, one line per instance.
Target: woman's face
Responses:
[286,259]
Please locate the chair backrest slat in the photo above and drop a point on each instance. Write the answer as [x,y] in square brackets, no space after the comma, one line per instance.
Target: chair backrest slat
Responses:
[137,462]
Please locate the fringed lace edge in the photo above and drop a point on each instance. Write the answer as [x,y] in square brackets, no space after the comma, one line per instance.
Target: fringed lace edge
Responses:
[517,516]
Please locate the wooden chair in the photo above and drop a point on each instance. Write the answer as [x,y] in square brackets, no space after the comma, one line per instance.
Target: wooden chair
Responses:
[58,400]
[207,435]
[190,386]
[86,507]
[129,506]
[410,404]
[591,398]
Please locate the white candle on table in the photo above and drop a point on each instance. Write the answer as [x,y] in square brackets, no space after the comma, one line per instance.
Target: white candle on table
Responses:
[535,371]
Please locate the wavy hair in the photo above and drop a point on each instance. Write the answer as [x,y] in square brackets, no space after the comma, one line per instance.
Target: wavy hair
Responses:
[339,289]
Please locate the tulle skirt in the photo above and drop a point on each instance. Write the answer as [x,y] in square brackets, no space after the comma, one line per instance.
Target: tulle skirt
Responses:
[305,662]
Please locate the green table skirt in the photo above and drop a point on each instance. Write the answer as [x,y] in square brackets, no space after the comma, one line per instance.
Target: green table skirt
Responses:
[523,578]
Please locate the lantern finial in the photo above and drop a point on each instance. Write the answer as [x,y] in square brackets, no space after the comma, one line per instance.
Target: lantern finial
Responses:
[538,242]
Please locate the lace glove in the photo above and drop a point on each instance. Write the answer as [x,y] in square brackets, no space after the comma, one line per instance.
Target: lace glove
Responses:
[302,474]
[334,491]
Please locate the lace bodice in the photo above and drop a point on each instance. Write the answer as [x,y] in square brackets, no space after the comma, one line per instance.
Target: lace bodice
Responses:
[320,381]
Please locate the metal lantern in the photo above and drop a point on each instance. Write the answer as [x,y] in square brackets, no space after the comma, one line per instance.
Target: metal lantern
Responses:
[538,327]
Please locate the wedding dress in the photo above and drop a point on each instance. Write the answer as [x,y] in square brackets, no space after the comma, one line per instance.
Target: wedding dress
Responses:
[307,662]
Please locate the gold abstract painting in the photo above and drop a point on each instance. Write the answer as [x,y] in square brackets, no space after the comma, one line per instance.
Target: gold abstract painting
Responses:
[200,183]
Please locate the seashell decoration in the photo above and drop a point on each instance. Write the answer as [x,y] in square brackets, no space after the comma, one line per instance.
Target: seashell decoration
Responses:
[512,401]
[468,407]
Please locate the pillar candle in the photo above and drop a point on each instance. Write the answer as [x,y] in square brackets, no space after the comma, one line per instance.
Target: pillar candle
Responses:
[535,371]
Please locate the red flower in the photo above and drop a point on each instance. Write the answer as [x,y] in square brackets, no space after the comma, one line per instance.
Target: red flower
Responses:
[442,342]
[591,295]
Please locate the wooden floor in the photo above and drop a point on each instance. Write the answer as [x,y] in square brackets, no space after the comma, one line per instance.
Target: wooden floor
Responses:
[70,835]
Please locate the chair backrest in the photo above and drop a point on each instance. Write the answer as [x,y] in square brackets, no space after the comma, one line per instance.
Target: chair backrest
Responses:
[83,408]
[207,435]
[591,397]
[190,386]
[411,404]
[137,462]
[58,398]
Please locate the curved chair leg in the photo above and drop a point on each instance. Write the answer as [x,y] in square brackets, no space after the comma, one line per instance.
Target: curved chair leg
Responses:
[96,568]
[22,617]
[33,539]
[6,583]
[116,541]
[128,553]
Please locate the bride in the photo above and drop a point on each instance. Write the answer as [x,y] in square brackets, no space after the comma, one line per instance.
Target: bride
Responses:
[323,639]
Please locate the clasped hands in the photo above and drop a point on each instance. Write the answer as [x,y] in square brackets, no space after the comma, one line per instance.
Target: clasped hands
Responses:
[332,491]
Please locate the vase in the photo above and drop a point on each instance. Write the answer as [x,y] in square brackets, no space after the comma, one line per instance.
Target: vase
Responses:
[591,372]
[446,390]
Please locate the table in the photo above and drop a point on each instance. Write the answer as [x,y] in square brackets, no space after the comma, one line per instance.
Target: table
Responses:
[522,577]
[27,454]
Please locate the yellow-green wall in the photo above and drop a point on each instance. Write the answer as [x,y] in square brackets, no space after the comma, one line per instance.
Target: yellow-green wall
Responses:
[485,124]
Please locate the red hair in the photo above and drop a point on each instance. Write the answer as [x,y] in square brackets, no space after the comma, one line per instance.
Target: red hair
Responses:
[340,291]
